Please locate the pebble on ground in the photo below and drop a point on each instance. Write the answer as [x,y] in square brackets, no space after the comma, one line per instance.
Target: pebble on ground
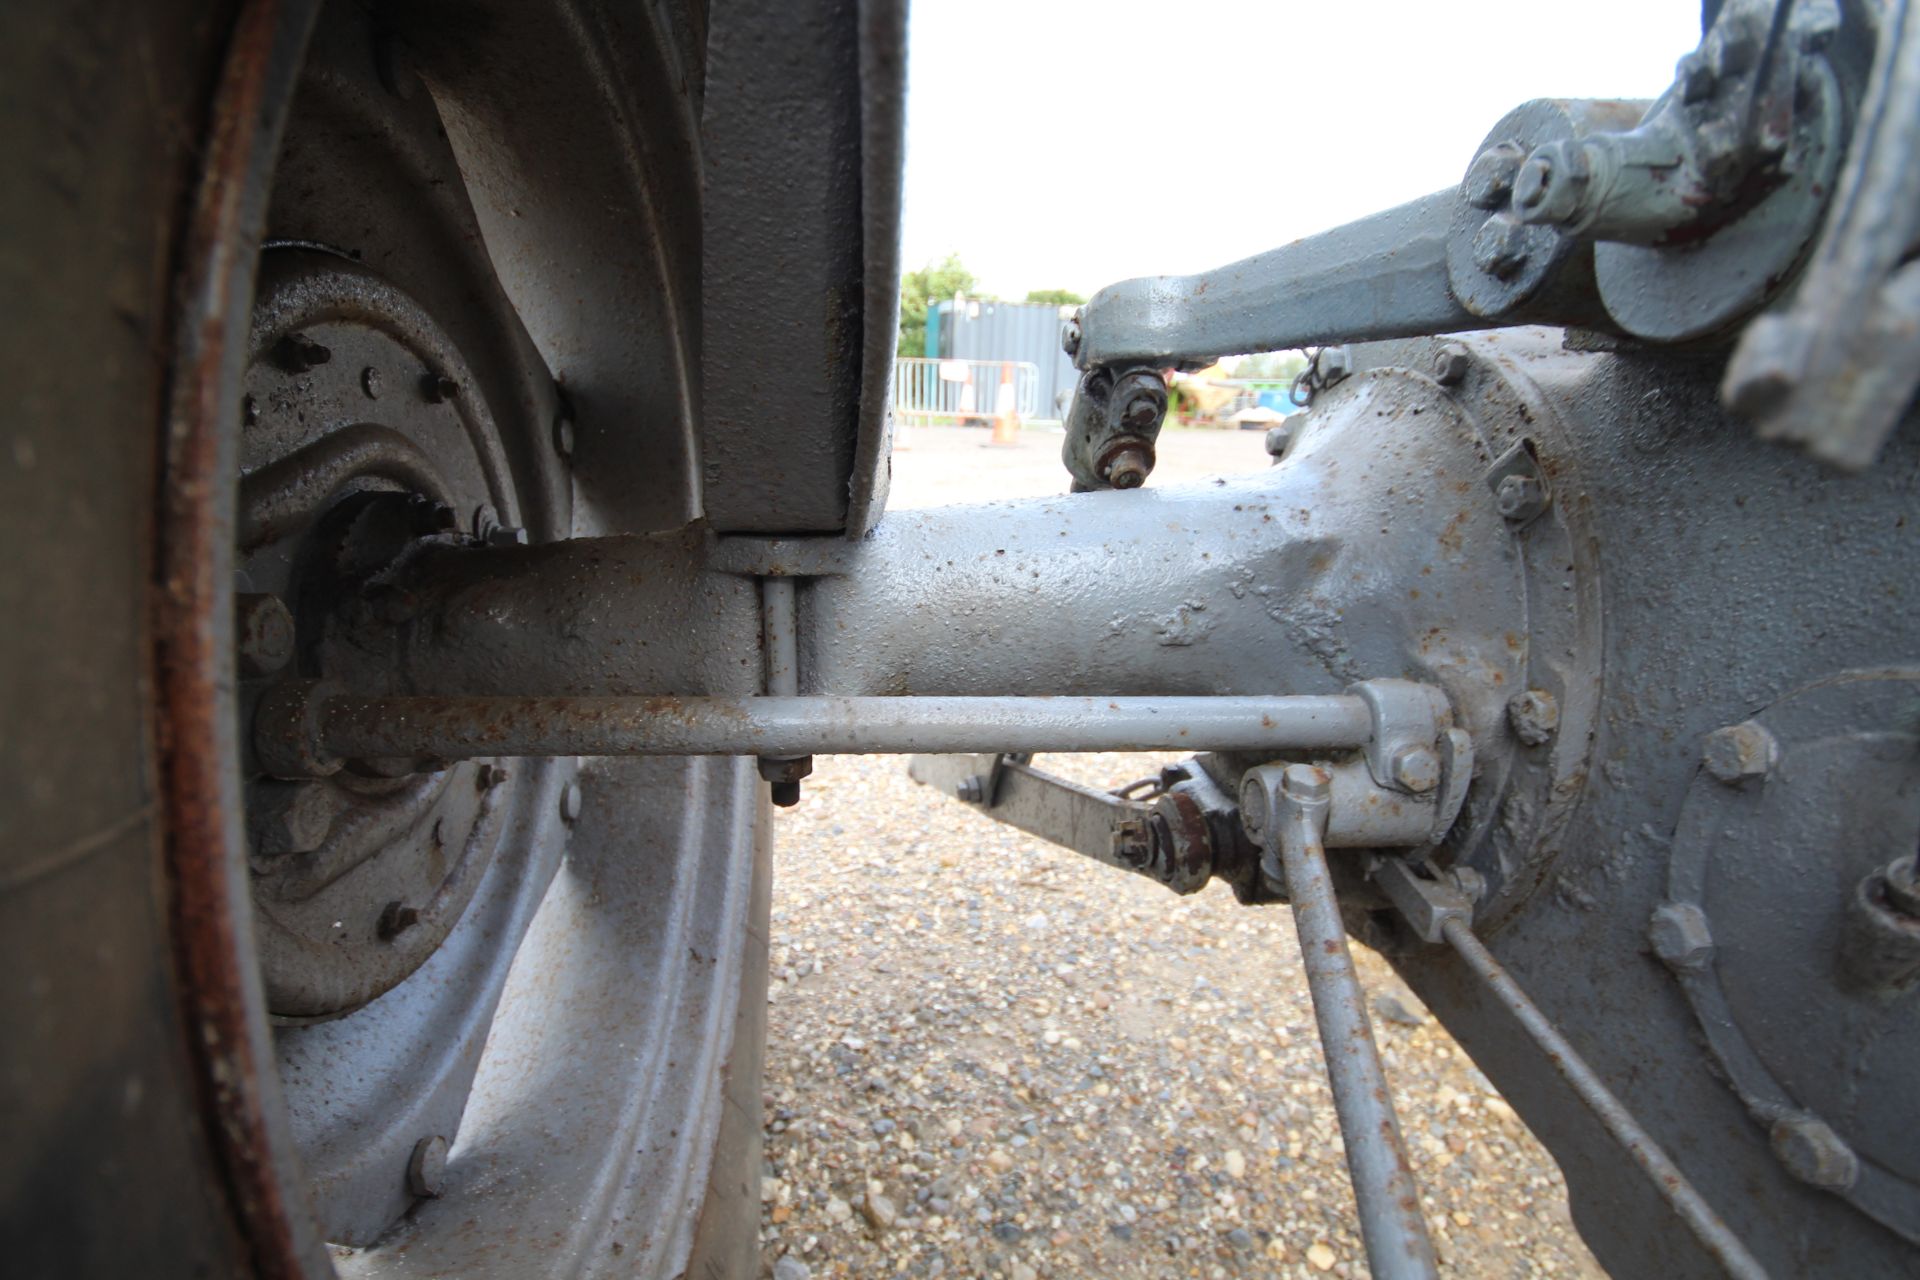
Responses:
[988,1057]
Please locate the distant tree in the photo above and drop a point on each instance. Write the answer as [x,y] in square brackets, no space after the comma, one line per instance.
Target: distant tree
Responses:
[1055,297]
[1272,366]
[919,290]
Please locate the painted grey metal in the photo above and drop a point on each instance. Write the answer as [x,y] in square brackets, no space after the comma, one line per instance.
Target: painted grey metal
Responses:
[1699,1216]
[1287,808]
[1381,277]
[799,291]
[455,728]
[779,644]
[977,329]
[1056,810]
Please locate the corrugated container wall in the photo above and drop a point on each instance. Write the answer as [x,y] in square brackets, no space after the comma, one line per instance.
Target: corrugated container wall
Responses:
[970,329]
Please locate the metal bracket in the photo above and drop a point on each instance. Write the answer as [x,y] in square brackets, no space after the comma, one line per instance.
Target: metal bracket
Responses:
[1408,719]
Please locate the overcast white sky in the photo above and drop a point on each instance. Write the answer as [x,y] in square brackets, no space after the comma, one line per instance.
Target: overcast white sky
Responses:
[1065,144]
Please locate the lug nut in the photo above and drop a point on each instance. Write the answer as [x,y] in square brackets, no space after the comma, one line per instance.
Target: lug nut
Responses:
[1740,753]
[263,633]
[427,1168]
[1450,364]
[1500,247]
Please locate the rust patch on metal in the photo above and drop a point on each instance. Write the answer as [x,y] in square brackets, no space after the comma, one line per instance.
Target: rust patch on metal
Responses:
[198,783]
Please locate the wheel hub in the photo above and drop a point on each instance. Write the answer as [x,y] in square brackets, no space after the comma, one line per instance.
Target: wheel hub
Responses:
[362,433]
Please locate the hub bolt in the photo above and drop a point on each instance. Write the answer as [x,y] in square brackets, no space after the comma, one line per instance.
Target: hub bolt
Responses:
[1533,715]
[1740,753]
[427,1168]
[1808,1148]
[1680,936]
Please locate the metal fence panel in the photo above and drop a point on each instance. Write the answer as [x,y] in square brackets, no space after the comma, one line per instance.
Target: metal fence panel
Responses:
[925,390]
[974,329]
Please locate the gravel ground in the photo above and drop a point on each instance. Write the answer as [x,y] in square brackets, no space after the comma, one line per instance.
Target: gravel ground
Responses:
[989,1057]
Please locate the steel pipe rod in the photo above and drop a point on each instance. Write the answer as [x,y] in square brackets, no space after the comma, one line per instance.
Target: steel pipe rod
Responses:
[453,728]
[1700,1219]
[1391,1224]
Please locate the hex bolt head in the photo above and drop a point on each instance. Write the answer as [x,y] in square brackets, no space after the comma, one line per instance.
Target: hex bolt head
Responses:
[1533,716]
[1280,437]
[263,633]
[427,1168]
[1415,769]
[1740,753]
[1680,936]
[1489,179]
[1306,782]
[1808,1148]
[370,382]
[1450,364]
[972,790]
[1142,412]
[571,802]
[1070,336]
[784,795]
[437,388]
[1520,498]
[1128,469]
[1334,364]
[563,436]
[1500,247]
[506,536]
